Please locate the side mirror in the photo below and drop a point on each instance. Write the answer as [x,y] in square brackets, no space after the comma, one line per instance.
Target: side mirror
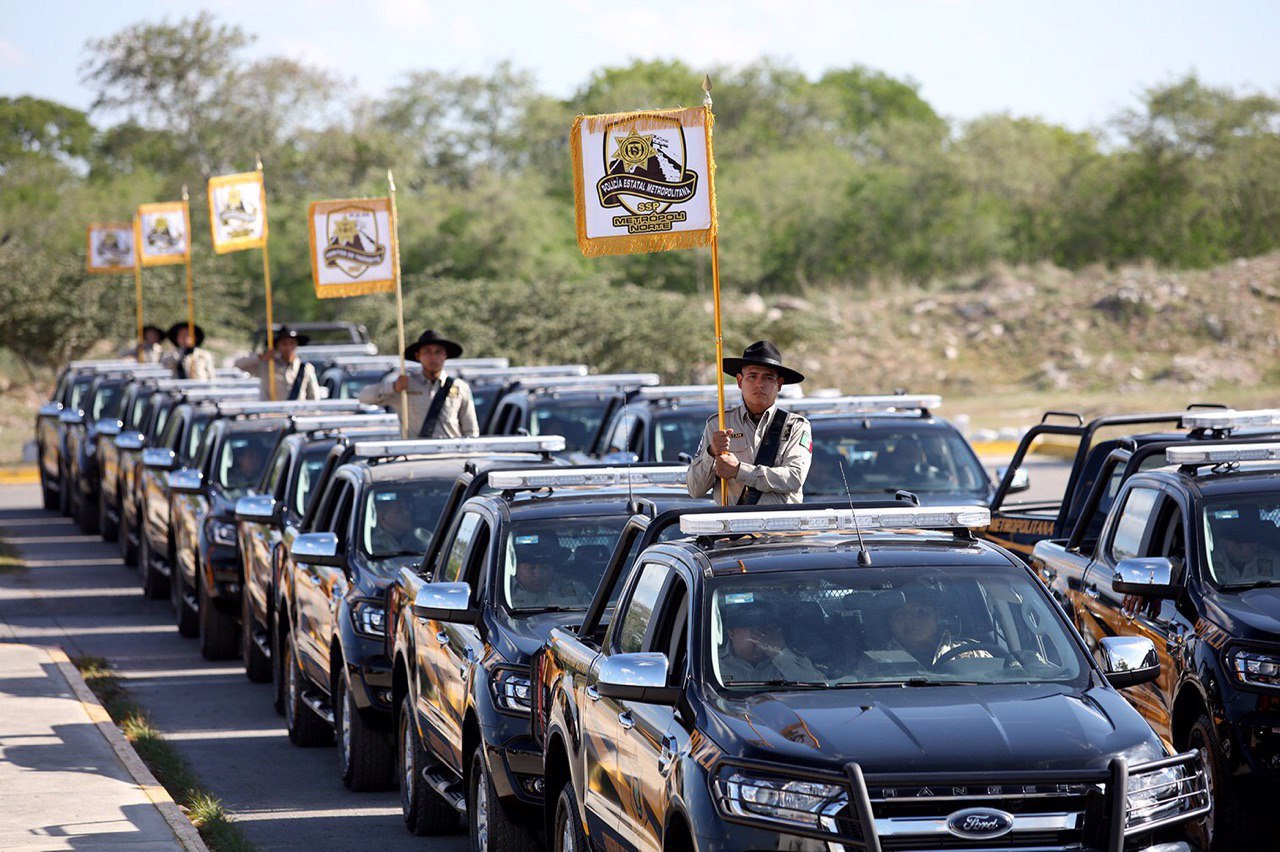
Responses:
[129,440]
[186,481]
[450,602]
[1128,660]
[50,409]
[1149,577]
[1021,479]
[684,458]
[256,508]
[71,418]
[638,677]
[159,458]
[320,548]
[109,427]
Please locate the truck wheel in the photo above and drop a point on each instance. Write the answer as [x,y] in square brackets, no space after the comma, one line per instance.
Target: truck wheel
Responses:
[217,630]
[277,669]
[183,615]
[425,812]
[110,529]
[64,493]
[366,757]
[128,550]
[48,495]
[306,729]
[257,667]
[86,515]
[569,834]
[1229,825]
[491,827]
[154,584]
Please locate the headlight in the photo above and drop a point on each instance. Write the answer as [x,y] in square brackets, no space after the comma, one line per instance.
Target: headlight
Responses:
[746,793]
[369,618]
[512,690]
[1254,668]
[222,532]
[90,448]
[1165,795]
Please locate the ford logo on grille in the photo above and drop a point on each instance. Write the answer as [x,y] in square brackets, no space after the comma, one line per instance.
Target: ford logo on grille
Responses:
[980,823]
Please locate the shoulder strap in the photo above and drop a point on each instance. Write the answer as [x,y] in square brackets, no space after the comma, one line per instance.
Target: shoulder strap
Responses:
[433,413]
[767,454]
[296,387]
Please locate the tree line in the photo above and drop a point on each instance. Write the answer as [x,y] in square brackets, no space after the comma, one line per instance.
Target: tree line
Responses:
[848,178]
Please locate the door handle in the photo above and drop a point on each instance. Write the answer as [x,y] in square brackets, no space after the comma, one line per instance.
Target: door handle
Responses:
[1091,590]
[442,637]
[666,754]
[626,720]
[593,693]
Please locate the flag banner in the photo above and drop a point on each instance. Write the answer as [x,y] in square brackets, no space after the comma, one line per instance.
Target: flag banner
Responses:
[351,247]
[109,247]
[237,212]
[162,233]
[642,181]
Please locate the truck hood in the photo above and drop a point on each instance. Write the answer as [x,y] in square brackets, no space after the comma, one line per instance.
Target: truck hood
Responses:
[936,729]
[1250,614]
[519,638]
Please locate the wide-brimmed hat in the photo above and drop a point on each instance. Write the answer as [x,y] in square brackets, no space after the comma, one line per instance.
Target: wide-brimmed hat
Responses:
[452,350]
[157,329]
[177,326]
[283,332]
[764,354]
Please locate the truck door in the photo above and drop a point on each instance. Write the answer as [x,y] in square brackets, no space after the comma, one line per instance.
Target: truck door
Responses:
[311,590]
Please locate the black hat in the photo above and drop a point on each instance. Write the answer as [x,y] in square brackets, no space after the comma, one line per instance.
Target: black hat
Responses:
[177,326]
[283,332]
[546,550]
[757,613]
[453,350]
[764,354]
[157,329]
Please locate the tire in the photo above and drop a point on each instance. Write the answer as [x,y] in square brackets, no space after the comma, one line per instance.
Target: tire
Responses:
[425,812]
[86,515]
[184,617]
[257,665]
[568,834]
[366,757]
[277,669]
[128,550]
[154,584]
[218,637]
[1229,826]
[64,493]
[110,529]
[306,729]
[48,496]
[490,826]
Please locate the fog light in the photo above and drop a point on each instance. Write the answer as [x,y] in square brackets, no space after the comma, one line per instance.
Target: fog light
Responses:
[233,588]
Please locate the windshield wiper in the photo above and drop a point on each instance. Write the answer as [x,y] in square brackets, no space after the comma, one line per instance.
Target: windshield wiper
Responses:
[1257,584]
[538,610]
[780,682]
[391,554]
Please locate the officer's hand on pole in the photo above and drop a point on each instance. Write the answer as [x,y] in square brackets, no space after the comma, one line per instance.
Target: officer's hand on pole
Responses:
[720,441]
[401,383]
[727,465]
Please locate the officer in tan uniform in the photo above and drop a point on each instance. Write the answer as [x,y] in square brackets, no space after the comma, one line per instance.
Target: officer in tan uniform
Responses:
[151,347]
[454,416]
[736,453]
[295,378]
[190,361]
[537,581]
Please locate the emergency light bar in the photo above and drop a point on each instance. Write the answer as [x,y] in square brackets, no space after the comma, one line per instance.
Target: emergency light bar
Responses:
[678,392]
[388,361]
[458,446]
[1222,454]
[479,363]
[837,520]
[168,384]
[601,477]
[1231,419]
[315,422]
[532,371]
[292,406]
[890,402]
[604,381]
[323,351]
[247,394]
[102,363]
[143,371]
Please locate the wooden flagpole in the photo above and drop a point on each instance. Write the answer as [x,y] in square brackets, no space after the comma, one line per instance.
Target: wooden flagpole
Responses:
[266,277]
[191,297]
[395,265]
[137,289]
[715,283]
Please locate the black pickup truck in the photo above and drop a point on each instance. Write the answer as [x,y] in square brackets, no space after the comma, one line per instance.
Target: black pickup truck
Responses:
[1189,558]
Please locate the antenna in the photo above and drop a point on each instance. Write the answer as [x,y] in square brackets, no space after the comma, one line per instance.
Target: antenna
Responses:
[631,498]
[864,558]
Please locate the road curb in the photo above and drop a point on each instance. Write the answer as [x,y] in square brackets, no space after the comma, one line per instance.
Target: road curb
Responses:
[186,832]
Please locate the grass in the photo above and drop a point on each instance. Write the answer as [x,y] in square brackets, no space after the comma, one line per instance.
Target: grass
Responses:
[203,809]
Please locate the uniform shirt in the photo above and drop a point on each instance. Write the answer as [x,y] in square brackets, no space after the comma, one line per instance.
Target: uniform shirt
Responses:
[782,483]
[560,592]
[286,374]
[152,353]
[784,665]
[384,543]
[457,416]
[1265,565]
[197,363]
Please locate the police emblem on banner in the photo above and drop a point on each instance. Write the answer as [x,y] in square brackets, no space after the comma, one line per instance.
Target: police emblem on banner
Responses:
[161,233]
[237,212]
[109,247]
[351,247]
[642,181]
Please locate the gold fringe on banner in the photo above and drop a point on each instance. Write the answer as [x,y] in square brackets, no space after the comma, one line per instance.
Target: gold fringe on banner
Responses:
[355,288]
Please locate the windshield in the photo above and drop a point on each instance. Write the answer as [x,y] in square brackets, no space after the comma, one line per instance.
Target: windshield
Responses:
[883,460]
[106,402]
[556,563]
[484,397]
[678,432]
[160,415]
[78,388]
[399,520]
[576,419]
[304,486]
[134,416]
[890,626]
[241,460]
[199,423]
[1242,541]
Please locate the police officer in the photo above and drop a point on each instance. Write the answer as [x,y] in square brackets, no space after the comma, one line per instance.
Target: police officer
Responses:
[395,533]
[190,361]
[755,650]
[151,347]
[536,583]
[1241,555]
[440,405]
[295,378]
[763,453]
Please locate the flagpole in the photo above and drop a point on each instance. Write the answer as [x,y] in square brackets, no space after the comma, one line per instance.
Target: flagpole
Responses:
[137,290]
[266,277]
[395,265]
[715,283]
[191,300]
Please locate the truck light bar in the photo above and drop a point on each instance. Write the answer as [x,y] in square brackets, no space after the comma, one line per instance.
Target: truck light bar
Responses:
[166,384]
[388,361]
[296,406]
[324,351]
[888,402]
[1231,419]
[676,392]
[837,520]
[531,371]
[479,363]
[458,446]
[601,477]
[102,363]
[249,394]
[602,381]
[1222,454]
[314,422]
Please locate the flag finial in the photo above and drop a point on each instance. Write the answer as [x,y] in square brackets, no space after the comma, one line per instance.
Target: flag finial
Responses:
[706,90]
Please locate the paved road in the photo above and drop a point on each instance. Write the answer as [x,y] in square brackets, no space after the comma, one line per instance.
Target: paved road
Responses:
[79,595]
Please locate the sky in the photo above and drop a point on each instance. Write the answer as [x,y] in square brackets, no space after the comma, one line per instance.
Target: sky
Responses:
[1077,63]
